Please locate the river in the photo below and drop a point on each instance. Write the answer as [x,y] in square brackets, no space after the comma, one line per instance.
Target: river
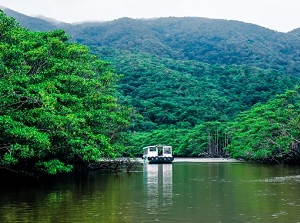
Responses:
[179,192]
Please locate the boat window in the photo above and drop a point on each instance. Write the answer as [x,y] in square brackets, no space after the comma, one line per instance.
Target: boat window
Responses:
[167,150]
[152,149]
[160,151]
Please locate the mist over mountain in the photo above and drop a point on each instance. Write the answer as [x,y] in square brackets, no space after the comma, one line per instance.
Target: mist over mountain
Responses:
[33,23]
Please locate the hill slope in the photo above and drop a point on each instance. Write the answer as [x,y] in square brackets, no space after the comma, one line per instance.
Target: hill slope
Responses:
[212,41]
[206,40]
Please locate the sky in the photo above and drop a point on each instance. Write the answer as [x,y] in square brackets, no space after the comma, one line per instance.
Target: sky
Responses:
[279,15]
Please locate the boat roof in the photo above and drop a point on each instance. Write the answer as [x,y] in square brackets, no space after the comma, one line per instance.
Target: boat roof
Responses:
[156,146]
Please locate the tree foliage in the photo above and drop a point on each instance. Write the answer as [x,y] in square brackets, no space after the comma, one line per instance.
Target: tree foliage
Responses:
[206,139]
[58,110]
[268,132]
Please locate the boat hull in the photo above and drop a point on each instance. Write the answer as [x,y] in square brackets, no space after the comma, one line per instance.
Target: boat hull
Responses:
[158,159]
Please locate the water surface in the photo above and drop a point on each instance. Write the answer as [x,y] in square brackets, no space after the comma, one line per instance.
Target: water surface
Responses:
[178,192]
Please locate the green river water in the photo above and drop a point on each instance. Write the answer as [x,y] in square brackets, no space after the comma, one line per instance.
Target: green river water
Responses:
[178,192]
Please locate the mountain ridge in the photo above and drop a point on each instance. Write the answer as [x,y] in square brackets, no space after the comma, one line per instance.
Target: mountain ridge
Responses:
[213,41]
[11,12]
[204,40]
[33,23]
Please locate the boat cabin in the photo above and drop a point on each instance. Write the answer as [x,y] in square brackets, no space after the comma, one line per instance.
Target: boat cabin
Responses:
[158,154]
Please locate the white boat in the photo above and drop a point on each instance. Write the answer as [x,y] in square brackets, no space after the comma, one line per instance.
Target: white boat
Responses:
[158,154]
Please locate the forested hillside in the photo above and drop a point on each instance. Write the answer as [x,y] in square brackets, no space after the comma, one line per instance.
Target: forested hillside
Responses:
[188,79]
[184,93]
[205,40]
[212,41]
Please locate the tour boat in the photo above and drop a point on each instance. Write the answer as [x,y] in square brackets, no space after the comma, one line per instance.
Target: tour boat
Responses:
[158,154]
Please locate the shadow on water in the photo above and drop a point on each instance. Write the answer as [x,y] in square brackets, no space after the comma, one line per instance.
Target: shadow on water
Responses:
[63,198]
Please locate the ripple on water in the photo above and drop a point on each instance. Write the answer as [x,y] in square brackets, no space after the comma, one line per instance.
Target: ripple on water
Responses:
[284,179]
[278,214]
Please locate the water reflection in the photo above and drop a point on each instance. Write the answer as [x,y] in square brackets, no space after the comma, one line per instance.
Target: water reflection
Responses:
[178,192]
[159,184]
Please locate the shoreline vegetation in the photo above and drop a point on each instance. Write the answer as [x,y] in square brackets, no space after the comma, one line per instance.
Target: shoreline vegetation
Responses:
[109,166]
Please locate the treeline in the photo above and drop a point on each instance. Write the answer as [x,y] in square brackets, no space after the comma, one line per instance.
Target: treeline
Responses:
[268,132]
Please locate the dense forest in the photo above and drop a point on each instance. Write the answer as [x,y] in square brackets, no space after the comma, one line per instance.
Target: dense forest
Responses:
[207,87]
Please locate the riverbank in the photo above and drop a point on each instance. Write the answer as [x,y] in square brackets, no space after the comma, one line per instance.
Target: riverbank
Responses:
[206,160]
[202,160]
